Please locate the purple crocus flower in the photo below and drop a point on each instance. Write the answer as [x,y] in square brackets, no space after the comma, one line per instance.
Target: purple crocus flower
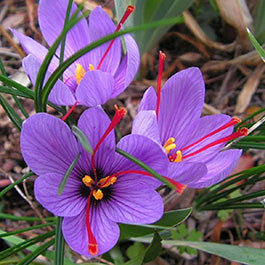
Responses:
[173,120]
[103,189]
[97,76]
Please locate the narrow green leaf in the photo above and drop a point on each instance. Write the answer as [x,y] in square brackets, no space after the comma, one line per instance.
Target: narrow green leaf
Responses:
[8,188]
[70,2]
[13,116]
[59,70]
[153,249]
[67,174]
[48,254]
[18,247]
[145,167]
[252,256]
[23,218]
[39,251]
[20,106]
[16,85]
[59,243]
[82,138]
[11,91]
[256,45]
[25,229]
[169,220]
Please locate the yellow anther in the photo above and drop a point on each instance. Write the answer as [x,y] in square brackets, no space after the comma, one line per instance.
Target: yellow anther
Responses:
[88,181]
[169,145]
[91,67]
[79,73]
[98,194]
[179,156]
[105,182]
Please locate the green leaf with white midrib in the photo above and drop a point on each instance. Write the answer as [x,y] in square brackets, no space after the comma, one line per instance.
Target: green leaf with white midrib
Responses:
[251,256]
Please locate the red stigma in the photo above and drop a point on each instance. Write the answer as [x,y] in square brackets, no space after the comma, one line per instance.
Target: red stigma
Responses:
[127,13]
[119,114]
[92,242]
[69,112]
[178,186]
[162,58]
[232,122]
[237,134]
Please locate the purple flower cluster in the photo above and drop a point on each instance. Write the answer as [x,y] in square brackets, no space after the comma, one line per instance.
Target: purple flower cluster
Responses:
[104,188]
[95,77]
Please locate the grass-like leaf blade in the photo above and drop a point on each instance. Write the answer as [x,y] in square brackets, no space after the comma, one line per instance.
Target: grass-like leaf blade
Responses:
[82,138]
[67,174]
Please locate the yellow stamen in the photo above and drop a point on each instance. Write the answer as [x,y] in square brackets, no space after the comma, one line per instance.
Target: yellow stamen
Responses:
[91,67]
[179,156]
[169,145]
[79,73]
[98,194]
[105,182]
[88,181]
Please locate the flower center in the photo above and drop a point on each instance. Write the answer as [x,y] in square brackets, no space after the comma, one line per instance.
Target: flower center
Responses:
[96,187]
[178,156]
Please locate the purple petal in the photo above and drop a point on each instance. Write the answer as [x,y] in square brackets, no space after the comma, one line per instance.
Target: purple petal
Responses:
[132,201]
[69,203]
[129,66]
[30,46]
[60,94]
[47,144]
[199,129]
[104,230]
[101,25]
[187,173]
[145,123]
[95,88]
[94,122]
[219,168]
[149,99]
[149,152]
[181,102]
[51,19]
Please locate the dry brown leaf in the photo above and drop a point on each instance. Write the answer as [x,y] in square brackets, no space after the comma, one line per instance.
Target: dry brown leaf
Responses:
[195,28]
[31,11]
[249,89]
[14,20]
[236,13]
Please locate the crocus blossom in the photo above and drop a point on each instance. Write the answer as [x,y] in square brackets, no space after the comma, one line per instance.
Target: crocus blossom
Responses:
[186,137]
[97,76]
[103,189]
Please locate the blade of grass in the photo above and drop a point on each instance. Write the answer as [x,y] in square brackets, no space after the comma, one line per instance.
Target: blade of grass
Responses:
[256,45]
[59,71]
[207,194]
[25,229]
[13,116]
[59,243]
[82,138]
[67,174]
[18,247]
[8,188]
[24,218]
[16,85]
[145,167]
[11,91]
[20,106]
[39,251]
